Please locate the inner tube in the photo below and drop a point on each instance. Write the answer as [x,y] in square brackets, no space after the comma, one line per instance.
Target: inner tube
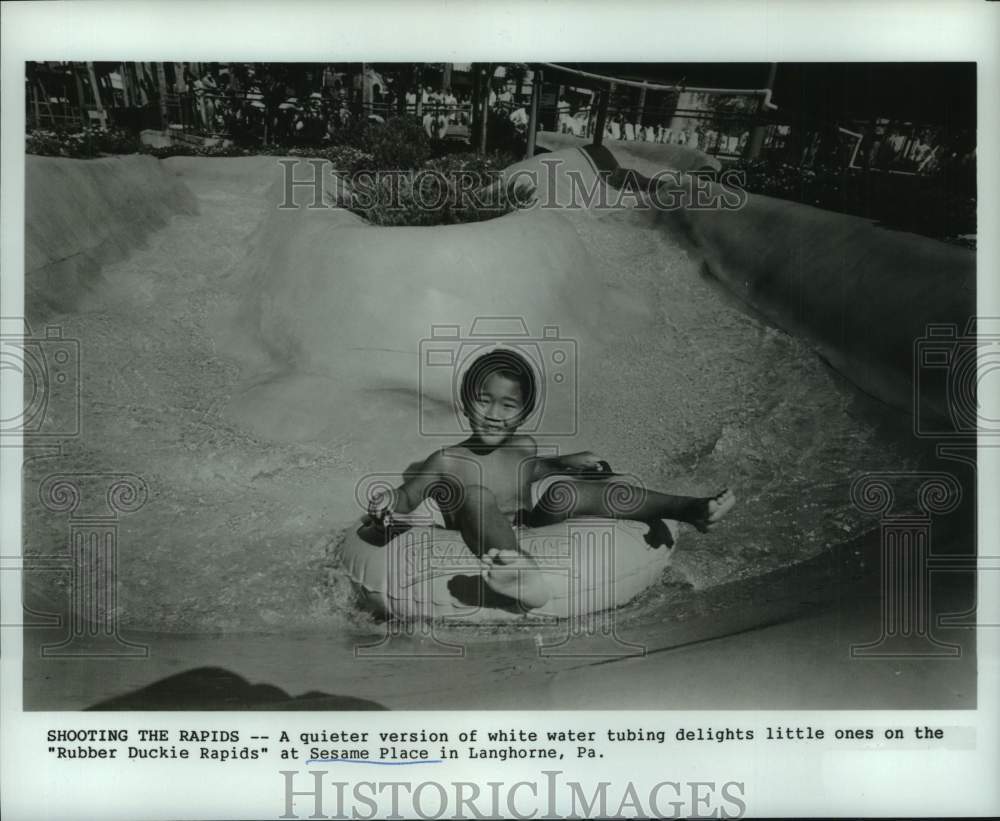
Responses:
[428,572]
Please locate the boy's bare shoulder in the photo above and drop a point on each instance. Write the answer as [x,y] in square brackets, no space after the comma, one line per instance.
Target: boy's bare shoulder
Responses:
[455,460]
[523,441]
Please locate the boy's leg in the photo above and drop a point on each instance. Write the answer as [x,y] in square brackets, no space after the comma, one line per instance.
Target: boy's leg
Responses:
[482,525]
[488,533]
[566,498]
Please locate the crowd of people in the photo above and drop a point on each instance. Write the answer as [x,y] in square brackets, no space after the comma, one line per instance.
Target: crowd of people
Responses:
[283,103]
[274,104]
[269,103]
[626,126]
[882,145]
[263,103]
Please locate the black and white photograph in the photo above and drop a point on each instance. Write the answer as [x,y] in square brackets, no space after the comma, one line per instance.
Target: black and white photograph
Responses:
[359,384]
[571,370]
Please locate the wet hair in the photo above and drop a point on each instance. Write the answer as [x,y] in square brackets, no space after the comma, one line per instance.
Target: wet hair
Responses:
[503,362]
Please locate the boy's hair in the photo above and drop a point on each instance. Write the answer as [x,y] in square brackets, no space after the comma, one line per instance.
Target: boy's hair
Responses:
[506,363]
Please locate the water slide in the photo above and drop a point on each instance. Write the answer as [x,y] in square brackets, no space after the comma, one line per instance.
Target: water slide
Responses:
[255,364]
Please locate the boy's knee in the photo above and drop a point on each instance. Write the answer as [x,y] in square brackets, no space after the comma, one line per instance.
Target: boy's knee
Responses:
[448,493]
[452,495]
[478,496]
[560,497]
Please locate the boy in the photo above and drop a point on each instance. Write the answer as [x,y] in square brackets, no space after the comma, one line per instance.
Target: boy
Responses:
[483,485]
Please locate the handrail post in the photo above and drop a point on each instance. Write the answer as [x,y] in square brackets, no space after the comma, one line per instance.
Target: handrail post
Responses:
[485,103]
[758,132]
[602,116]
[536,97]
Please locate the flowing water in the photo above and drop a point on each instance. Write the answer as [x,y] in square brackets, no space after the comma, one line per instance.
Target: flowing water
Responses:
[238,533]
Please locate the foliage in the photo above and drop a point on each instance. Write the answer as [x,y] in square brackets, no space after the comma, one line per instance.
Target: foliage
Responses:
[447,190]
[80,143]
[192,150]
[729,114]
[941,206]
[398,143]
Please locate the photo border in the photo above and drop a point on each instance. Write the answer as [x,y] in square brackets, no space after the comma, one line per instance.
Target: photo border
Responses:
[801,782]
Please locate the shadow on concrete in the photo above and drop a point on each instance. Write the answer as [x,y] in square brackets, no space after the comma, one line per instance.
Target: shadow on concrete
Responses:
[214,688]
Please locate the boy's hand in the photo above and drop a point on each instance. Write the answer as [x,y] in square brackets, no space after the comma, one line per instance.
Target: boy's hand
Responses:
[587,462]
[380,506]
[515,575]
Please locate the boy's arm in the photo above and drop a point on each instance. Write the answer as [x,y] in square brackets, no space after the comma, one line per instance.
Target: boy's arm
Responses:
[438,477]
[545,466]
[406,497]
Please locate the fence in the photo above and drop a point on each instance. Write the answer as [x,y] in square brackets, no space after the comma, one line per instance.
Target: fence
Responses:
[720,122]
[879,145]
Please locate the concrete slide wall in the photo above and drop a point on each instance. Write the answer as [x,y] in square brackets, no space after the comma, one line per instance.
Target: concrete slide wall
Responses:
[80,214]
[862,294]
[340,308]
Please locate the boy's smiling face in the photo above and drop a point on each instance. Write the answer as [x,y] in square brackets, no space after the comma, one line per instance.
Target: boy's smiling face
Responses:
[495,408]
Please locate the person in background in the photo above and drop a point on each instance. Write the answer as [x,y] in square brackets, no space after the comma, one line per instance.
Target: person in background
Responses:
[209,91]
[563,110]
[504,98]
[616,126]
[519,117]
[189,103]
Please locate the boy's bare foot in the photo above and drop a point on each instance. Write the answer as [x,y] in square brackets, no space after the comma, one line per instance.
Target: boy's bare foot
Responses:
[712,510]
[659,534]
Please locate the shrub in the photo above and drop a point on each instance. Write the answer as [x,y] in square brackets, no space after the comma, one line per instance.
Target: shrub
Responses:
[941,205]
[448,190]
[191,150]
[452,190]
[504,136]
[81,143]
[398,143]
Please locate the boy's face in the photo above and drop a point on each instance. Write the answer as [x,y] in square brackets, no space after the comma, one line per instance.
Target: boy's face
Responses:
[495,409]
